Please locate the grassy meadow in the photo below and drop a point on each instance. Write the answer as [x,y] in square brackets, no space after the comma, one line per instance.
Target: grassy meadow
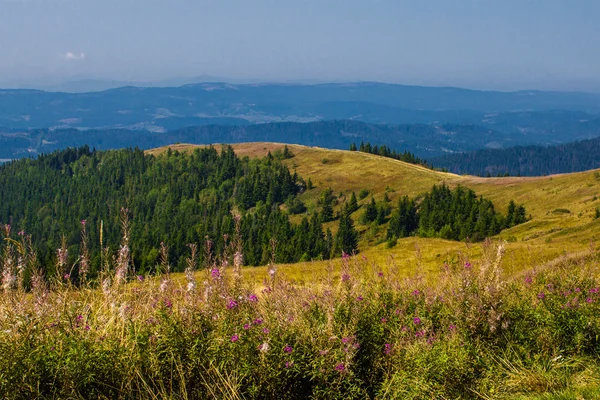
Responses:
[358,332]
[514,317]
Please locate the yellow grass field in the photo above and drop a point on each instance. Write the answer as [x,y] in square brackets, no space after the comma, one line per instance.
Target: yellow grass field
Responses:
[562,209]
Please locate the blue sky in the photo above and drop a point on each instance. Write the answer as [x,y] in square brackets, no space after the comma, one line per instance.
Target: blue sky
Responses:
[504,44]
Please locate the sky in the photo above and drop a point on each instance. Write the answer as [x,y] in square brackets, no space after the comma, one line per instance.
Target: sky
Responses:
[482,44]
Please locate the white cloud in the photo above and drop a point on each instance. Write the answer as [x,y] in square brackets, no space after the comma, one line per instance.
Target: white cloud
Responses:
[70,56]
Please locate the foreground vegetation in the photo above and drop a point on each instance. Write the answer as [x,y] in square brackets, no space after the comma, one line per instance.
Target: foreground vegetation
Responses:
[364,331]
[420,318]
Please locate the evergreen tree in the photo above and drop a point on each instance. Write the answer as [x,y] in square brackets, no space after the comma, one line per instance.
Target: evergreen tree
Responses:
[353,204]
[381,214]
[287,153]
[370,213]
[404,220]
[327,199]
[346,238]
[510,216]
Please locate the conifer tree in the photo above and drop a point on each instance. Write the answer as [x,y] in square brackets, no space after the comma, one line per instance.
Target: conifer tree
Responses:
[346,238]
[370,213]
[353,204]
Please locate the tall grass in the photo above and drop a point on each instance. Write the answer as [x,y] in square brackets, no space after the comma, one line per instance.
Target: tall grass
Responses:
[362,332]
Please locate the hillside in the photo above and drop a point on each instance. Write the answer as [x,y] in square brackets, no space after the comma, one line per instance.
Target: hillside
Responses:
[524,160]
[303,197]
[562,207]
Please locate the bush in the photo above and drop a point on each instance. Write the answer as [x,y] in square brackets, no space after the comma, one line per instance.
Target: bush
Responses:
[295,205]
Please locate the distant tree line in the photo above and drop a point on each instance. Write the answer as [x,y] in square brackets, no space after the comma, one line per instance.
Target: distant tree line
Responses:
[525,160]
[384,151]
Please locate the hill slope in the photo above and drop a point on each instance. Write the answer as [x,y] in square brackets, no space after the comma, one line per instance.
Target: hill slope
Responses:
[562,207]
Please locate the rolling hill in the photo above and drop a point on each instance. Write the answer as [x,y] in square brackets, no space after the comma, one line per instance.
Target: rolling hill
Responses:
[562,208]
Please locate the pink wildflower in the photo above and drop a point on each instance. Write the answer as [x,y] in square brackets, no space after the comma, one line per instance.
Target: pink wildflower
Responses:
[231,304]
[387,348]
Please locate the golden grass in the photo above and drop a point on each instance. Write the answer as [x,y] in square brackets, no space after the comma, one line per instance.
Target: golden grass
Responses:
[549,234]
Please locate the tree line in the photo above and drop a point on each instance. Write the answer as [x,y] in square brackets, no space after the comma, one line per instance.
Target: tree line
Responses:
[385,151]
[525,160]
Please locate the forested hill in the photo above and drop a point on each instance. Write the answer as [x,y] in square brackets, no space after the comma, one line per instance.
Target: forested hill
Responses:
[525,160]
[175,199]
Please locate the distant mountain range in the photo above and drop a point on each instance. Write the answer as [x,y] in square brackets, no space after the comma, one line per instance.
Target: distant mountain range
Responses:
[160,109]
[430,122]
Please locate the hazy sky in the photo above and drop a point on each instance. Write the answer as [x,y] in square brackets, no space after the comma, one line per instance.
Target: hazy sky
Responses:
[503,44]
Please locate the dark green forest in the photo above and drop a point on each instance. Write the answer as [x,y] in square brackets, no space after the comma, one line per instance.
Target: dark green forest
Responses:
[176,199]
[525,160]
